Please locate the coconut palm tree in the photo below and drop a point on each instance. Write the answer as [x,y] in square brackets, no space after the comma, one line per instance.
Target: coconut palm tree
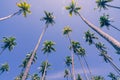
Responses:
[98,78]
[66,31]
[79,77]
[90,37]
[66,74]
[108,59]
[112,76]
[47,49]
[49,19]
[43,69]
[4,68]
[35,77]
[74,9]
[24,9]
[68,63]
[8,42]
[104,4]
[105,21]
[25,61]
[79,51]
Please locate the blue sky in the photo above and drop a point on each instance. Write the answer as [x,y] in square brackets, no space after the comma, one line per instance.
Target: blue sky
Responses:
[27,31]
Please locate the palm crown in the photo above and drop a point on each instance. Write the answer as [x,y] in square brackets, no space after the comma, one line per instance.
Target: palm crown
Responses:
[67,30]
[73,8]
[8,43]
[102,3]
[48,47]
[49,18]
[4,67]
[24,7]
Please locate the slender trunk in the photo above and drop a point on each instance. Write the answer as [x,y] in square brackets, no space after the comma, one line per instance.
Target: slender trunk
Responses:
[112,6]
[33,54]
[2,51]
[110,39]
[113,64]
[83,68]
[88,67]
[72,55]
[43,77]
[115,27]
[10,16]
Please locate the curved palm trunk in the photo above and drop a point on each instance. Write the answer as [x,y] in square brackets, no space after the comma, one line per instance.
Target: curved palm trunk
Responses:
[115,27]
[2,51]
[83,68]
[72,55]
[33,54]
[10,16]
[88,67]
[43,77]
[110,39]
[112,6]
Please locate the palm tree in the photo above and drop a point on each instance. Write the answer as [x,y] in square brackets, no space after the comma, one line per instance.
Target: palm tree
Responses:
[98,78]
[35,77]
[49,19]
[66,74]
[79,51]
[74,9]
[90,37]
[112,76]
[79,77]
[68,63]
[4,68]
[43,69]
[66,31]
[8,42]
[103,4]
[24,9]
[25,61]
[105,21]
[108,59]
[47,49]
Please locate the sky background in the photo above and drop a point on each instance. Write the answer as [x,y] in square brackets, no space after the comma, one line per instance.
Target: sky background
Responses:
[27,31]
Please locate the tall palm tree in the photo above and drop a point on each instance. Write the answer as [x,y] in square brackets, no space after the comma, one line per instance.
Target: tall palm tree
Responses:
[43,69]
[68,63]
[35,77]
[74,9]
[47,49]
[79,51]
[108,59]
[24,9]
[66,74]
[4,68]
[49,19]
[104,4]
[90,37]
[79,77]
[105,21]
[112,76]
[66,31]
[25,61]
[98,78]
[8,42]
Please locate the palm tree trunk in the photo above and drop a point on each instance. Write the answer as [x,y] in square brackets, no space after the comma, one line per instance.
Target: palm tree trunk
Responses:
[10,16]
[112,6]
[33,54]
[72,55]
[43,77]
[110,39]
[115,27]
[2,51]
[88,67]
[83,68]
